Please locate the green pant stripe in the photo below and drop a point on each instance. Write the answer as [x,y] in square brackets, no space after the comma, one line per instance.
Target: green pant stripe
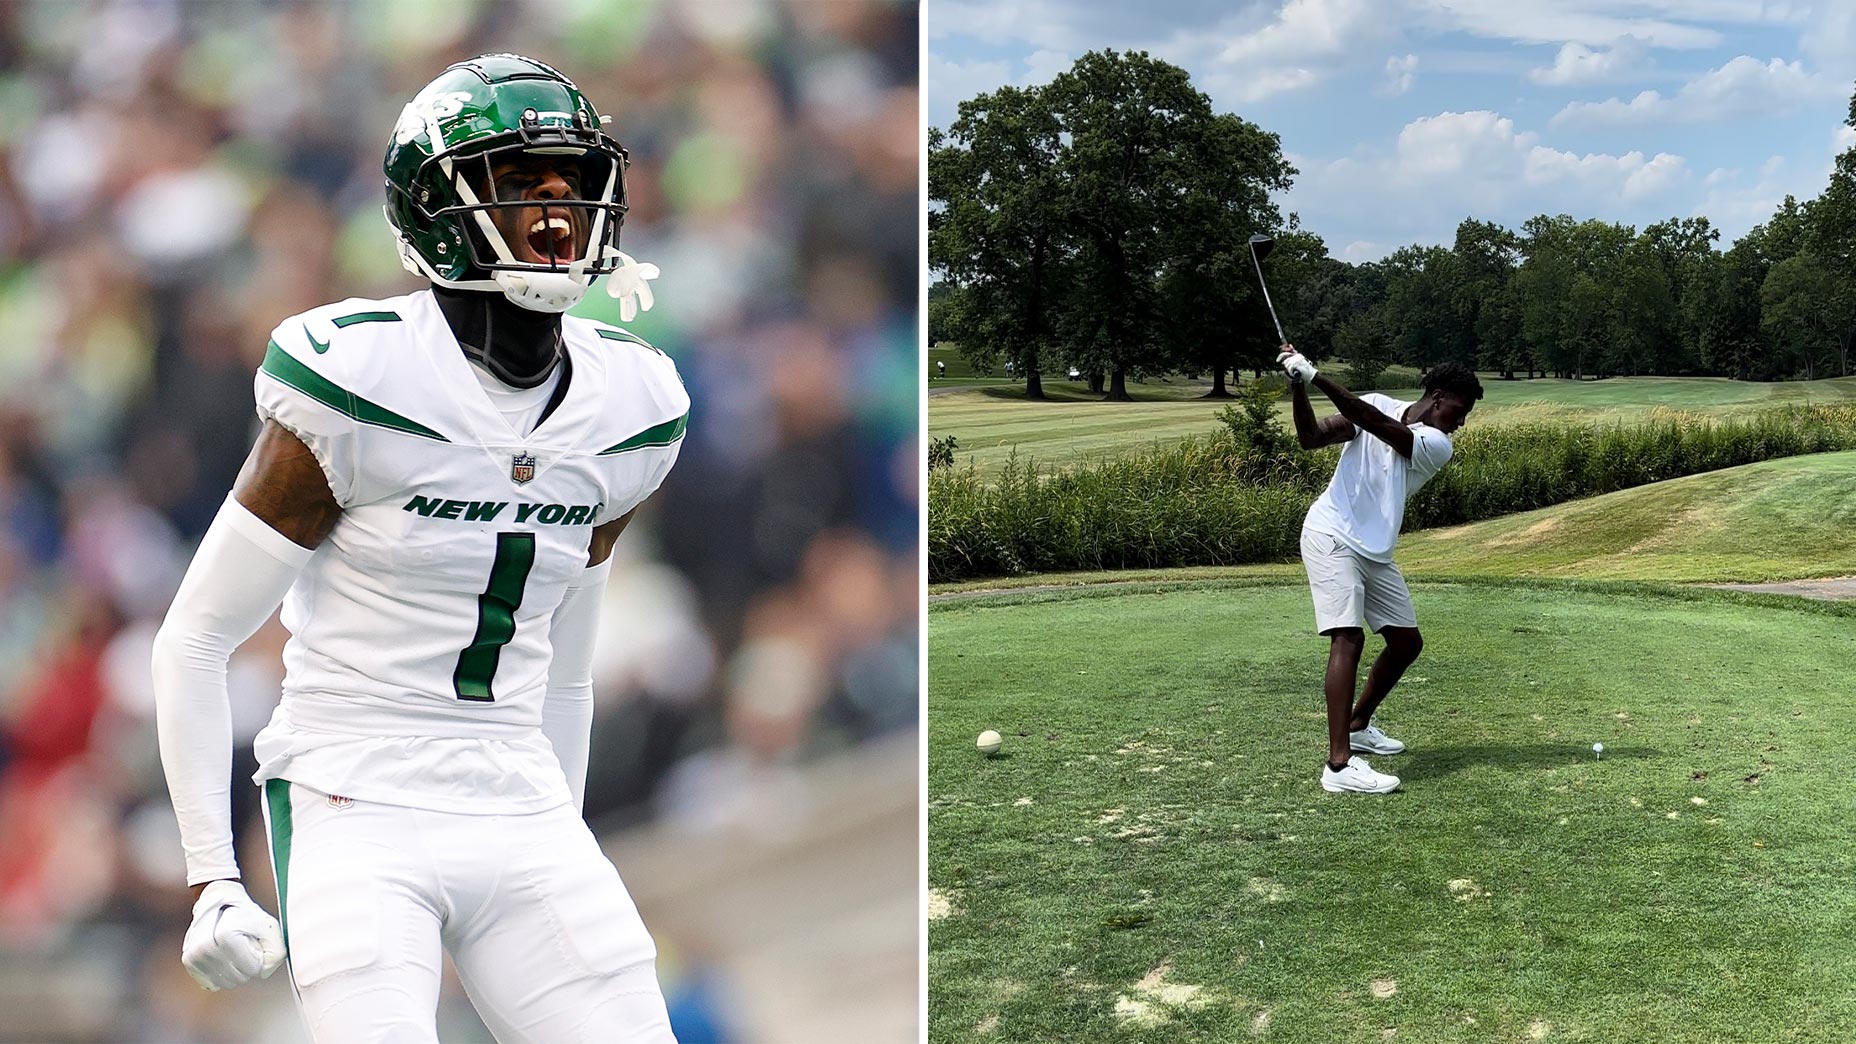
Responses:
[277,793]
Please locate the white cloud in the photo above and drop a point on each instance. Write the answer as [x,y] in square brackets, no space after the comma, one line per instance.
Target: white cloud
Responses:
[1043,66]
[1361,250]
[1305,29]
[1452,165]
[1452,142]
[1594,23]
[1040,23]
[1308,40]
[1260,84]
[955,82]
[1578,64]
[1743,87]
[1400,73]
[1630,176]
[1735,206]
[1829,39]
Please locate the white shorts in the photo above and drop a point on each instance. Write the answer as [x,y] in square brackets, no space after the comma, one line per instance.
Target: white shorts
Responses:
[1351,590]
[544,936]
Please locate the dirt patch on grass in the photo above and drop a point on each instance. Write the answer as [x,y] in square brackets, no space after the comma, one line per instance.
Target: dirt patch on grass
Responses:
[940,904]
[1267,890]
[1465,889]
[1536,532]
[1151,1001]
[1830,589]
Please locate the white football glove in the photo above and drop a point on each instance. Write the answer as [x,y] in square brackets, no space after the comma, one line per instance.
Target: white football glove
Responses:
[231,939]
[629,283]
[1297,366]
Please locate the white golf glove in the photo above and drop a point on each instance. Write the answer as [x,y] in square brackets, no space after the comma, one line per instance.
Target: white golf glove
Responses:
[1297,366]
[231,939]
[629,283]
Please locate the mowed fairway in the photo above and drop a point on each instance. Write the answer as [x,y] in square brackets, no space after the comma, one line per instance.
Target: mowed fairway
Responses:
[991,423]
[1151,858]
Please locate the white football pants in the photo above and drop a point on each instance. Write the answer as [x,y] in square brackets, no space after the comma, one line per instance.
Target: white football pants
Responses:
[543,933]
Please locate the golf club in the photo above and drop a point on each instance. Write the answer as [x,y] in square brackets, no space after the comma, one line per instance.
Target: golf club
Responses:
[1260,247]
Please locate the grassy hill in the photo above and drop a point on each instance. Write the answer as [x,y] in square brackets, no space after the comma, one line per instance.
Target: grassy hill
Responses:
[990,423]
[1778,520]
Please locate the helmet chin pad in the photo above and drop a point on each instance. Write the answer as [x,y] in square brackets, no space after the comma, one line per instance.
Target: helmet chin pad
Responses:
[542,291]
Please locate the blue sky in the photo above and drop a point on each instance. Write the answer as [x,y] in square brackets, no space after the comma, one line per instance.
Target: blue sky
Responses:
[1406,116]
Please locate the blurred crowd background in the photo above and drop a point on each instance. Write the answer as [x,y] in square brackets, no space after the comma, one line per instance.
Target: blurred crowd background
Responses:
[177,177]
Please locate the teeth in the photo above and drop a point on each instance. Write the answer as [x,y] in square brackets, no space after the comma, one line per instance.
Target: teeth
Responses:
[558,224]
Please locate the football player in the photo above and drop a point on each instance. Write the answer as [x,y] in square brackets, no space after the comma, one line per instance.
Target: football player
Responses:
[433,497]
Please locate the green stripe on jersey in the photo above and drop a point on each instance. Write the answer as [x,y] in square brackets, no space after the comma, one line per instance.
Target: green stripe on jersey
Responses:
[368,317]
[496,616]
[279,364]
[657,435]
[277,794]
[628,338]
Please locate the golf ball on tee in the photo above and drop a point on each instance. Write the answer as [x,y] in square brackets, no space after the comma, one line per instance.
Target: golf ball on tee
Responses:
[989,742]
[1598,750]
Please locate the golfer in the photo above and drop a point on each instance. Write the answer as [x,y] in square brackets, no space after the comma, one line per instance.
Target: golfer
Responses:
[1347,542]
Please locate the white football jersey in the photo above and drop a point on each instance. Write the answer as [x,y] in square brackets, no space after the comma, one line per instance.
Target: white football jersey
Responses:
[419,648]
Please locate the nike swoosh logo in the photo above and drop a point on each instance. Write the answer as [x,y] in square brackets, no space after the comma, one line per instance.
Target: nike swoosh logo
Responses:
[319,346]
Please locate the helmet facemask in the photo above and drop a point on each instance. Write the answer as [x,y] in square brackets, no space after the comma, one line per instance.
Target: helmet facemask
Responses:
[541,253]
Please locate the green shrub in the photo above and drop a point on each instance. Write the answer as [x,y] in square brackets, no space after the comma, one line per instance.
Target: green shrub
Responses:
[941,453]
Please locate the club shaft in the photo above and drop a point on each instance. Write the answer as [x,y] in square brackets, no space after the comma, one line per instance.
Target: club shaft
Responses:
[1281,338]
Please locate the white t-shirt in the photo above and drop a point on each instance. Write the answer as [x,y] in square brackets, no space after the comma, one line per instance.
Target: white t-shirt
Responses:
[1364,504]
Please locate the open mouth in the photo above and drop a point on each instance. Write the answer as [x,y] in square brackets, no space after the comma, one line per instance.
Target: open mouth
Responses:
[551,239]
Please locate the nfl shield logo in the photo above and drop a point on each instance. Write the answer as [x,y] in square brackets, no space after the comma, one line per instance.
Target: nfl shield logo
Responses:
[523,468]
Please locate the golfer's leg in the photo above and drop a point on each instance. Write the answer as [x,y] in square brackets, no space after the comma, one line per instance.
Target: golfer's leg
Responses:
[1389,612]
[1343,674]
[1338,586]
[1402,647]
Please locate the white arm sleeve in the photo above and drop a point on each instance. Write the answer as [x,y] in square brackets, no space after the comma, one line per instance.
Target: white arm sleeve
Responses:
[241,572]
[567,713]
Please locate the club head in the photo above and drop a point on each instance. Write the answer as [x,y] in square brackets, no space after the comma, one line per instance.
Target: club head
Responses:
[1261,245]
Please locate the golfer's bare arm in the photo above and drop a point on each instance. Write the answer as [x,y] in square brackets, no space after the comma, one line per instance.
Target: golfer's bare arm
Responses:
[1312,433]
[1387,429]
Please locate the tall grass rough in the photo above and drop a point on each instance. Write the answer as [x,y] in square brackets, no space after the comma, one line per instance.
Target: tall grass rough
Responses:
[1239,495]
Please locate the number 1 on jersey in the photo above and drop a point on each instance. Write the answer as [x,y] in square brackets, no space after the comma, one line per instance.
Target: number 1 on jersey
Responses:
[496,616]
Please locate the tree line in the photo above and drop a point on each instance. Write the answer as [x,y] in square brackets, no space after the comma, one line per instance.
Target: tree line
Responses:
[1101,222]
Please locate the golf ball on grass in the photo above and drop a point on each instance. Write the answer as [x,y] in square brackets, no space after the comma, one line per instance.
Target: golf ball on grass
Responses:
[989,742]
[1598,750]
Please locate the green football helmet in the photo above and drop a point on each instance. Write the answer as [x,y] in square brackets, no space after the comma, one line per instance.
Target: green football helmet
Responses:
[488,115]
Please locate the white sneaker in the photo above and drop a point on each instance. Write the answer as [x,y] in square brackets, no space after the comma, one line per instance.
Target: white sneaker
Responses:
[1358,778]
[1370,740]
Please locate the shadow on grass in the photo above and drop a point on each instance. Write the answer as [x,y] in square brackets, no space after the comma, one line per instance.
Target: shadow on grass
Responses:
[1435,762]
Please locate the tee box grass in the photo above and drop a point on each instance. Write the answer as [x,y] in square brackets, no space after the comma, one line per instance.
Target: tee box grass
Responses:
[1151,858]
